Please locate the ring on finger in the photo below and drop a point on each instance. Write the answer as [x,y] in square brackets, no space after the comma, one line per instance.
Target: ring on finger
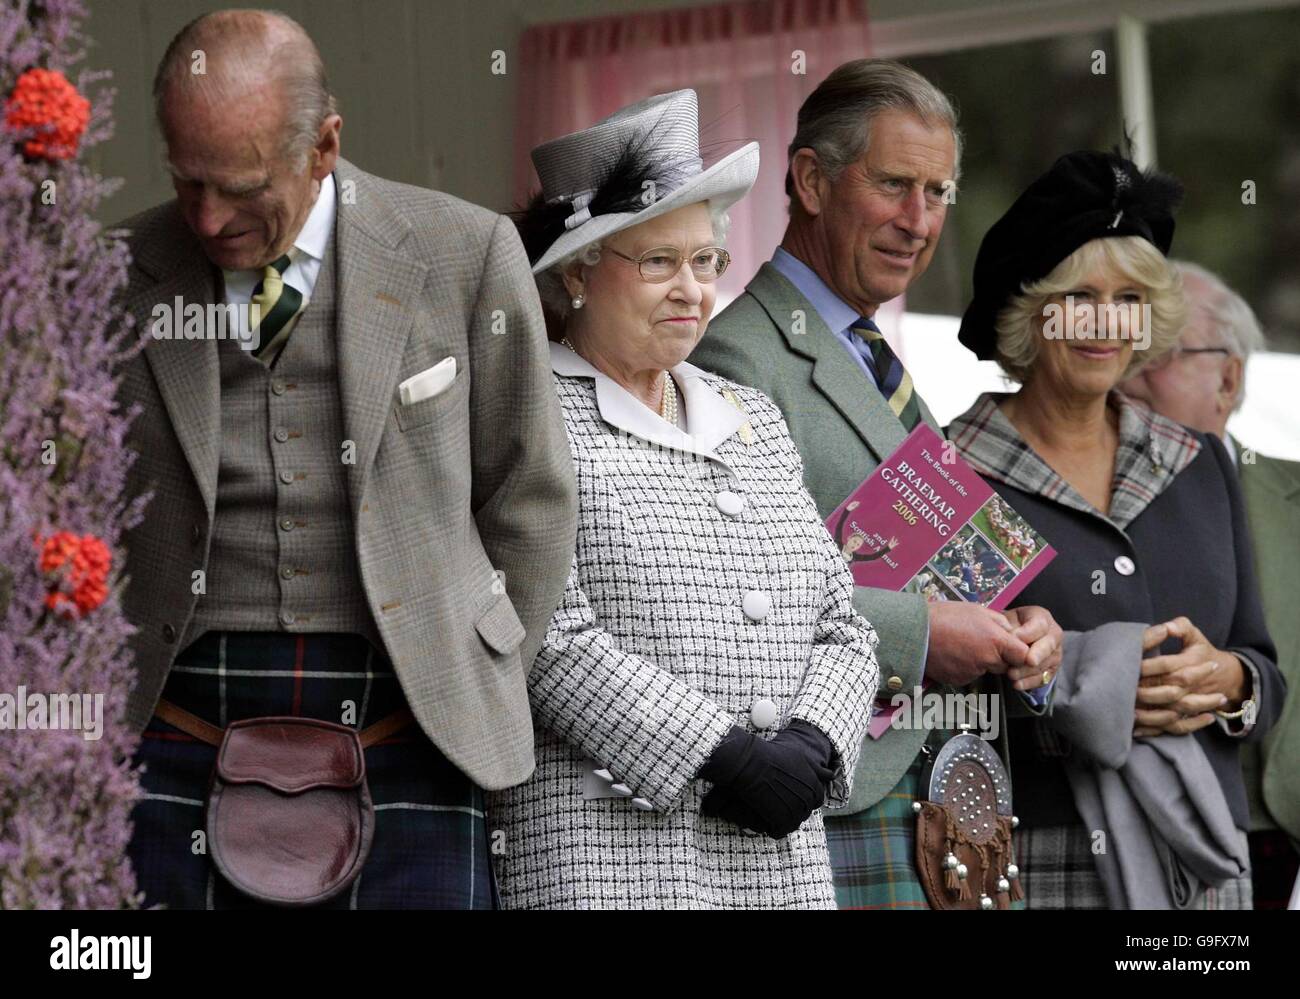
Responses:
[1047,677]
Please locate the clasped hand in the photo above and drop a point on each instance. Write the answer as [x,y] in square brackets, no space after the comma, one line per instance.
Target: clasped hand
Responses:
[1179,693]
[967,641]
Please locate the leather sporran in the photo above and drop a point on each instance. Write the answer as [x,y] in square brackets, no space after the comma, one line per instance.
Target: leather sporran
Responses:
[289,815]
[964,825]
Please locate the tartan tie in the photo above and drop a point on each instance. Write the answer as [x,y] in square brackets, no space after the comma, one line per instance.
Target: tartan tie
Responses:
[892,379]
[280,304]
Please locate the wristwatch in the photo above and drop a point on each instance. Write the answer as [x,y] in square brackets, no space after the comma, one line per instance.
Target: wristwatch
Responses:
[1248,707]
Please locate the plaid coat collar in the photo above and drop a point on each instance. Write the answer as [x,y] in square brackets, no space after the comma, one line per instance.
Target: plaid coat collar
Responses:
[1152,451]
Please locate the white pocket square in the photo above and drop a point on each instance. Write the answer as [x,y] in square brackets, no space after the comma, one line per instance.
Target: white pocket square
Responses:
[428,382]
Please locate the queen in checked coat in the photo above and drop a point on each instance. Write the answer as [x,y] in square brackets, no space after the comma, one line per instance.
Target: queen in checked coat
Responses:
[705,684]
[705,592]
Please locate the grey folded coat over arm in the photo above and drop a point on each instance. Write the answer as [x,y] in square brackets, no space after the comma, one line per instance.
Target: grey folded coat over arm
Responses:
[1157,802]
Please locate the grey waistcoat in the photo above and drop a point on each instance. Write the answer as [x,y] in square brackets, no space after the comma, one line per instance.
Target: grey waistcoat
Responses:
[282,555]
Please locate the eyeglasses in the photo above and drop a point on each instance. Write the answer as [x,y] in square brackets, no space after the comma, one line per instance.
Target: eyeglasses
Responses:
[1164,360]
[663,262]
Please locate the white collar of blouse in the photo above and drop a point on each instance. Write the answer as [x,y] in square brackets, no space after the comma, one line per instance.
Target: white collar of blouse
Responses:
[710,419]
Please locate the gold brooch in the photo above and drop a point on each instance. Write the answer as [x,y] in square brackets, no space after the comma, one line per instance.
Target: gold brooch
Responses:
[746,431]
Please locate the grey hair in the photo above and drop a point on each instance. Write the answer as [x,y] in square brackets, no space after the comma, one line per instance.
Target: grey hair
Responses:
[1229,315]
[550,282]
[249,46]
[835,121]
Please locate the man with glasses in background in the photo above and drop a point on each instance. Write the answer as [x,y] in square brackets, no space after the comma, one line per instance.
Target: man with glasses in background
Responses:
[1201,383]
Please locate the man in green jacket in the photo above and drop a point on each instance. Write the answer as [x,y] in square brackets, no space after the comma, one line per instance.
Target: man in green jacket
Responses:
[1201,383]
[871,169]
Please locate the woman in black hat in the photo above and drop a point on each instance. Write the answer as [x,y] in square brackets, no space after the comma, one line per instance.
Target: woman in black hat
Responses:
[1127,783]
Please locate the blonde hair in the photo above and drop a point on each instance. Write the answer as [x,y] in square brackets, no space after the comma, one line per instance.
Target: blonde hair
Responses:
[1138,260]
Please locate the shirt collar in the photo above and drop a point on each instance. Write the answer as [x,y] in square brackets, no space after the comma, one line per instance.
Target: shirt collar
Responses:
[1152,451]
[315,233]
[710,419]
[1231,445]
[836,313]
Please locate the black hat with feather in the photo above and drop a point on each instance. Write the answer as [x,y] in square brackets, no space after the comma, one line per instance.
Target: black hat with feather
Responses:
[1084,196]
[639,163]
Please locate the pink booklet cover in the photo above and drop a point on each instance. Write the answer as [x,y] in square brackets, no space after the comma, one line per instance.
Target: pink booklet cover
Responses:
[925,522]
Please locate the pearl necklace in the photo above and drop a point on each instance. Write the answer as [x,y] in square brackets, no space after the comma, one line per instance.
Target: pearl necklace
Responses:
[668,403]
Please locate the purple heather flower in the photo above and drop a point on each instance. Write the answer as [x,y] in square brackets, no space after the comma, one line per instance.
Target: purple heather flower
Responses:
[65,801]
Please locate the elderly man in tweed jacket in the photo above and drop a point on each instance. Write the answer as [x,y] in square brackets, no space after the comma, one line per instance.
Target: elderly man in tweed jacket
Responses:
[324,538]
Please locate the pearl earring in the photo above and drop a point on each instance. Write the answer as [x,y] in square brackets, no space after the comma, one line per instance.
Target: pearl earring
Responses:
[578,301]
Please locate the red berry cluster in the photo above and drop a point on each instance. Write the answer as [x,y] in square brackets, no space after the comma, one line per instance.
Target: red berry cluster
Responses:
[45,101]
[78,571]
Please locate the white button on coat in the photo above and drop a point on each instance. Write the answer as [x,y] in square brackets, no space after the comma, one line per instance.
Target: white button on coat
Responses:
[763,714]
[730,503]
[1124,566]
[756,605]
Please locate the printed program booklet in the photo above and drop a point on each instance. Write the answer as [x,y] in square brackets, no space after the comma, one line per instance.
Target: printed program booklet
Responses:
[925,522]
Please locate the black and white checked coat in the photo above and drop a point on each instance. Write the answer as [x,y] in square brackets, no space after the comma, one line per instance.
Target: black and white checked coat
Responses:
[678,618]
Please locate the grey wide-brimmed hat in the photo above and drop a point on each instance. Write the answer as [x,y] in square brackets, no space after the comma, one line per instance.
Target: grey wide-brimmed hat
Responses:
[639,163]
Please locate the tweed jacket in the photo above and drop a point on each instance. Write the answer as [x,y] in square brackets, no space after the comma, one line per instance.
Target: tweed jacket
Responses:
[463,504]
[704,584]
[1271,488]
[772,338]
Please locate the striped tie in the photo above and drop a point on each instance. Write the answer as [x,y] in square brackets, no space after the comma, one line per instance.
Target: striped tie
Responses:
[892,379]
[280,304]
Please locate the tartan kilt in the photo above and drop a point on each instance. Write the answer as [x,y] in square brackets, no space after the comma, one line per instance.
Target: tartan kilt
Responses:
[430,846]
[1057,869]
[873,852]
[1058,872]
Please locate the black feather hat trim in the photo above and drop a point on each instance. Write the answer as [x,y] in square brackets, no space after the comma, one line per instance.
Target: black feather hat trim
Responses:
[1084,196]
[629,185]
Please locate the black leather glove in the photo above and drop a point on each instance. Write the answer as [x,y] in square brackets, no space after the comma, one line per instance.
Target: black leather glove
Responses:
[769,786]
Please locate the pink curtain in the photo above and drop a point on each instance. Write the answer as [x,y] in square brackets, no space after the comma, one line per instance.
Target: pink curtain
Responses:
[751,63]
